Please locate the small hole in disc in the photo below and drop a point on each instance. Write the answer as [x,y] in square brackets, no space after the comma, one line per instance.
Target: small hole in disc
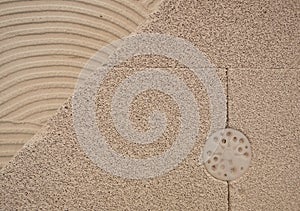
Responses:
[232,154]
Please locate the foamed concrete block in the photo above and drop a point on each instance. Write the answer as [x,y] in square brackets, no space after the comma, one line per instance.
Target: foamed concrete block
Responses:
[264,104]
[53,171]
[236,34]
[254,45]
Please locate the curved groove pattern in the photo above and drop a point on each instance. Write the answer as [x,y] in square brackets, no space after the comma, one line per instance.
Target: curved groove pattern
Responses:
[43,47]
[45,64]
[54,42]
[38,99]
[75,10]
[43,52]
[52,31]
[13,135]
[69,21]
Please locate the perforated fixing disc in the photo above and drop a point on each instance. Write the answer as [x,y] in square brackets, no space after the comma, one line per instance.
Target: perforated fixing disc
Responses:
[227,154]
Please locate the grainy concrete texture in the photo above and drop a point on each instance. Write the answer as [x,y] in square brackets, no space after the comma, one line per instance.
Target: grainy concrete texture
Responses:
[52,171]
[264,104]
[254,45]
[236,34]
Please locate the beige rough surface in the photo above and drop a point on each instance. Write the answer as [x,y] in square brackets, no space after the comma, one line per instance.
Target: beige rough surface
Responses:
[52,171]
[264,104]
[236,34]
[43,47]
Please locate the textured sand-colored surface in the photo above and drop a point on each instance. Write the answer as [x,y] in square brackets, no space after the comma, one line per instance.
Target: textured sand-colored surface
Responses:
[264,103]
[61,176]
[43,47]
[255,46]
[238,34]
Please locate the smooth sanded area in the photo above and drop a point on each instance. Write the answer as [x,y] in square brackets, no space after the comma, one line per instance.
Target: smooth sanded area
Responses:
[264,104]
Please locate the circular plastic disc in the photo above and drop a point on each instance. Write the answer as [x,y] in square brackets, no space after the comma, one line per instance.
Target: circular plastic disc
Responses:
[227,154]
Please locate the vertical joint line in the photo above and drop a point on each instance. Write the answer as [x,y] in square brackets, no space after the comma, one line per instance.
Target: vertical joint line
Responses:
[227,125]
[228,196]
[227,107]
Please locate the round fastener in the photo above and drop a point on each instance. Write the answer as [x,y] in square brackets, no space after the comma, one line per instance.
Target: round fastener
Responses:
[227,154]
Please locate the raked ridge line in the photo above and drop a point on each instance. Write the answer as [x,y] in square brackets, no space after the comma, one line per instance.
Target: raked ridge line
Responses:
[44,45]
